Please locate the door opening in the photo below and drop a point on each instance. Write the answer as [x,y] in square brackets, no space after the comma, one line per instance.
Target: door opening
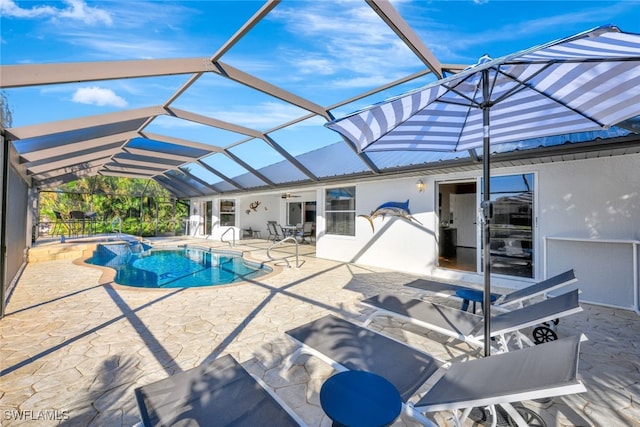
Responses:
[458,228]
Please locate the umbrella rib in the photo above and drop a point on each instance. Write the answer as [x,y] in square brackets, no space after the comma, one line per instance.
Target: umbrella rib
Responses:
[472,103]
[524,84]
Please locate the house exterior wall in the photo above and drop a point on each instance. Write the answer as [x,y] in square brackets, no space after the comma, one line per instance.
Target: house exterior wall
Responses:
[272,207]
[595,203]
[587,218]
[394,242]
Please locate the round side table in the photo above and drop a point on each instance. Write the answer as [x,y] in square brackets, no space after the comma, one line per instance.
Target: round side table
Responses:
[360,399]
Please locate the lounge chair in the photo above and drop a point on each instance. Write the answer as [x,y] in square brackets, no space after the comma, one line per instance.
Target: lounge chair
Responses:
[220,393]
[496,380]
[469,327]
[502,302]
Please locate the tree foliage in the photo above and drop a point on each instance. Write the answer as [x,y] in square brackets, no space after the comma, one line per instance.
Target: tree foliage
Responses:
[6,117]
[145,207]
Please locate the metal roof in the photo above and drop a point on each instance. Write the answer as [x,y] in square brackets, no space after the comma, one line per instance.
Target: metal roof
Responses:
[133,143]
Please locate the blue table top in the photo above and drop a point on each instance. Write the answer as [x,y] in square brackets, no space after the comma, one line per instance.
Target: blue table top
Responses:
[360,398]
[473,295]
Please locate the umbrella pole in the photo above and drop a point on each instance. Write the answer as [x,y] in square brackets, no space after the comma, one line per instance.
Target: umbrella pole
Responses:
[486,205]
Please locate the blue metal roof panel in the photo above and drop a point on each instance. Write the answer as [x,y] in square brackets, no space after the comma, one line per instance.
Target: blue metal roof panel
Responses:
[165,147]
[283,172]
[332,160]
[249,180]
[63,138]
[550,141]
[224,186]
[396,159]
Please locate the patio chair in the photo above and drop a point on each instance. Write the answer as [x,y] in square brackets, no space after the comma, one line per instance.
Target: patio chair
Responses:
[307,231]
[500,379]
[503,302]
[469,327]
[220,393]
[275,231]
[61,225]
[76,223]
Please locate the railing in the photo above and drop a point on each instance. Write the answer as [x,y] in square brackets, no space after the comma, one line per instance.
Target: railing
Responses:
[232,233]
[284,258]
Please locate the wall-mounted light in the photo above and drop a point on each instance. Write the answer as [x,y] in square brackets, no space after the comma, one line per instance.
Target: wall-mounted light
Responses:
[420,185]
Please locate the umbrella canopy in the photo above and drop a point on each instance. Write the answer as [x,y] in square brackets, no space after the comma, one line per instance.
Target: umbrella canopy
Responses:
[586,82]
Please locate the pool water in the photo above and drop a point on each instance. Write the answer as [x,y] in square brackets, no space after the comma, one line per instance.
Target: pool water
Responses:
[183,267]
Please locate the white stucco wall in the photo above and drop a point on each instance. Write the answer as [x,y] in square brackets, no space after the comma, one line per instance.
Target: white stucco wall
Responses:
[596,202]
[596,199]
[395,243]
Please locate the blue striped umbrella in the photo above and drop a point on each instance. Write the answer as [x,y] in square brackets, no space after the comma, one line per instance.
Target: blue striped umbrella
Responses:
[586,82]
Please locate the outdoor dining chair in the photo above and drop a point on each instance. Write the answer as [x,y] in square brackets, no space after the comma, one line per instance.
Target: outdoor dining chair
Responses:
[306,232]
[61,224]
[275,232]
[76,223]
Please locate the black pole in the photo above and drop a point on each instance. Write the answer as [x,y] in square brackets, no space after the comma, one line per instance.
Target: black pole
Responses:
[486,231]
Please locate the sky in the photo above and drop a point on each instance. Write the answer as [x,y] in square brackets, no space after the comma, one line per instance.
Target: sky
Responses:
[324,51]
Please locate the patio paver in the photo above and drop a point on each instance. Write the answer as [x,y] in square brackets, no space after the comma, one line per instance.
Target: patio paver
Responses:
[74,349]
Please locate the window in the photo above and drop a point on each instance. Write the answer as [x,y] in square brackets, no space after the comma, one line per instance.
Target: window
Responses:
[227,213]
[340,211]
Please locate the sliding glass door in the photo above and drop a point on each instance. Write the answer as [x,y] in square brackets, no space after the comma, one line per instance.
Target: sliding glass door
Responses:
[512,226]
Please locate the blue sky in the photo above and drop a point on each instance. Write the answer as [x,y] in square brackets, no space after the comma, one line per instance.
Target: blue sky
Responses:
[324,51]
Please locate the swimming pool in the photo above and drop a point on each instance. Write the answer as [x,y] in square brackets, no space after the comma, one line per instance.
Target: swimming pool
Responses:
[142,266]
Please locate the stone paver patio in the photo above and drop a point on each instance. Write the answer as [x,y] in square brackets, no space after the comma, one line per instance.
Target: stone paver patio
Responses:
[74,345]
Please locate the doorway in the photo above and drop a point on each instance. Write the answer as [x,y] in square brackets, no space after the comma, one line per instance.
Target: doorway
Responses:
[458,237]
[301,212]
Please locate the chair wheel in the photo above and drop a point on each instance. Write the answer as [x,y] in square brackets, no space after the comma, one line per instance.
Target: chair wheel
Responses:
[543,334]
[532,418]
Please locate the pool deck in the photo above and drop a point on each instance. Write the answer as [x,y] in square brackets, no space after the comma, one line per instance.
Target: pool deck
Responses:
[74,346]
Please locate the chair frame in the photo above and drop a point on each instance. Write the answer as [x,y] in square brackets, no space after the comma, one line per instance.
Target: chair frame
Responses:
[505,302]
[418,410]
[453,321]
[61,222]
[235,374]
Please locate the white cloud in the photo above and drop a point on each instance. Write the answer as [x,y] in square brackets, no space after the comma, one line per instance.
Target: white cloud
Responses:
[75,10]
[358,53]
[9,9]
[261,116]
[98,96]
[78,10]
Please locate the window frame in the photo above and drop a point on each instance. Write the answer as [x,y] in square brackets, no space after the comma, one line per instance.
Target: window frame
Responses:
[229,213]
[349,229]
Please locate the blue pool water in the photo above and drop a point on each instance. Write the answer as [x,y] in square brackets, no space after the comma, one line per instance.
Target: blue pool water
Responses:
[184,267]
